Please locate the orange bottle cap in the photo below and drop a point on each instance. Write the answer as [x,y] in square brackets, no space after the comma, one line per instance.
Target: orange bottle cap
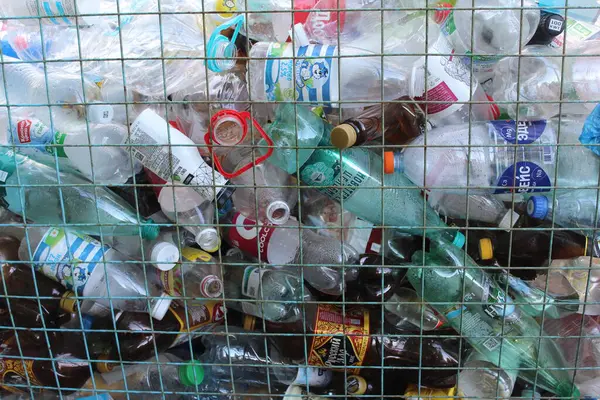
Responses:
[388,162]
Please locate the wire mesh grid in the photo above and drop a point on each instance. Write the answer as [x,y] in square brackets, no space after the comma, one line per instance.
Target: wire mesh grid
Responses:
[37,364]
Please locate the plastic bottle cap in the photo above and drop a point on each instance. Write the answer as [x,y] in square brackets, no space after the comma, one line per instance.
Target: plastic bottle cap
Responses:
[211,286]
[388,162]
[191,374]
[209,240]
[228,131]
[537,207]
[278,212]
[161,307]
[299,37]
[554,24]
[459,240]
[104,367]
[505,222]
[149,230]
[249,322]
[164,256]
[356,385]
[486,249]
[343,136]
[100,113]
[68,302]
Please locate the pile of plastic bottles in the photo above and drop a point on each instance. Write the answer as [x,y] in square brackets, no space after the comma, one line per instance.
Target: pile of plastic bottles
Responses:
[230,199]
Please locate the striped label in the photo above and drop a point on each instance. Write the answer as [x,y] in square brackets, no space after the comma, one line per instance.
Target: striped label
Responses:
[296,78]
[69,257]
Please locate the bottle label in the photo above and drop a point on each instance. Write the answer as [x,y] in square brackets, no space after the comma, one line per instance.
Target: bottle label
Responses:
[528,168]
[256,241]
[55,9]
[299,393]
[343,339]
[251,288]
[16,372]
[317,377]
[324,171]
[27,131]
[165,162]
[321,25]
[414,392]
[315,79]
[448,80]
[201,318]
[69,258]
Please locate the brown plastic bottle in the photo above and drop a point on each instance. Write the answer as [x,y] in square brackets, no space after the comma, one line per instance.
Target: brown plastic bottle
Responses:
[72,371]
[139,333]
[403,122]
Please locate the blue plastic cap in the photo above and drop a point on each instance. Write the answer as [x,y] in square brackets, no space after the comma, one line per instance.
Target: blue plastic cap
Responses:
[537,207]
[459,240]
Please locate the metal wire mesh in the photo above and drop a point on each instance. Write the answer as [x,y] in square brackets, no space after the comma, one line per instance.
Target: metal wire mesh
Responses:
[32,387]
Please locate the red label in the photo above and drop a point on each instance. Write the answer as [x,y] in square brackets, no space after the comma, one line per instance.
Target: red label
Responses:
[374,243]
[320,24]
[24,131]
[439,93]
[249,238]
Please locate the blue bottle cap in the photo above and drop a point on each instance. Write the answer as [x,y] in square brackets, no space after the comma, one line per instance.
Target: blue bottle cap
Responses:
[459,240]
[219,46]
[537,207]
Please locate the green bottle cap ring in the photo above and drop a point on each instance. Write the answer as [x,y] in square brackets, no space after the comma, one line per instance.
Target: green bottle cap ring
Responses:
[149,230]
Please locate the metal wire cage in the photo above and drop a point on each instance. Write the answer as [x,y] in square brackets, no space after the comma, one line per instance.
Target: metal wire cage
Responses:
[39,352]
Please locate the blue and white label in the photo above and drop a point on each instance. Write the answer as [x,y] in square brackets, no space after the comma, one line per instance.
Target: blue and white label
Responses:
[312,79]
[55,9]
[523,177]
[34,136]
[69,257]
[522,132]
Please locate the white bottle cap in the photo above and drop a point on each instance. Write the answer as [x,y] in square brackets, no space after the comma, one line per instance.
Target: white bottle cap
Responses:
[100,113]
[505,222]
[161,307]
[209,240]
[164,256]
[211,287]
[299,36]
[278,212]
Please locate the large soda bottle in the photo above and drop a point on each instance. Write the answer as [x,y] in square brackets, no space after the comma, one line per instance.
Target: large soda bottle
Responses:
[476,157]
[360,171]
[485,315]
[492,29]
[99,273]
[292,243]
[95,210]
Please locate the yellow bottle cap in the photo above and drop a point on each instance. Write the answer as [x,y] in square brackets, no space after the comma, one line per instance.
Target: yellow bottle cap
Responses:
[343,136]
[68,302]
[249,322]
[104,367]
[356,385]
[486,249]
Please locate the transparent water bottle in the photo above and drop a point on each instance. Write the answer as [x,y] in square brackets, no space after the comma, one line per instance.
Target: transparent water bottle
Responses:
[480,378]
[575,209]
[405,308]
[99,273]
[32,190]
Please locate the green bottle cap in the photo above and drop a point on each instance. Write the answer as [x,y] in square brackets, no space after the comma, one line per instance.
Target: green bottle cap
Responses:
[191,374]
[149,230]
[567,389]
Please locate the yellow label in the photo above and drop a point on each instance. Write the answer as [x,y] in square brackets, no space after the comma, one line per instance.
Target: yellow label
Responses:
[201,318]
[17,371]
[352,328]
[413,392]
[192,254]
[226,8]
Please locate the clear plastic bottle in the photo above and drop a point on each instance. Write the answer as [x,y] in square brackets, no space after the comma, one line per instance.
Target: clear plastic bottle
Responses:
[480,378]
[492,29]
[108,163]
[570,208]
[317,82]
[405,308]
[272,293]
[481,208]
[99,273]
[163,253]
[281,245]
[476,151]
[27,85]
[54,12]
[34,193]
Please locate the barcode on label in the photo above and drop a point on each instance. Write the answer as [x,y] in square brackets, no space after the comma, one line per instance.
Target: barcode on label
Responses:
[139,156]
[3,176]
[491,344]
[548,153]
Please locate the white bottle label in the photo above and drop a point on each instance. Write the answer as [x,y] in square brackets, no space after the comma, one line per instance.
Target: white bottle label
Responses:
[314,79]
[448,80]
[69,257]
[251,288]
[181,163]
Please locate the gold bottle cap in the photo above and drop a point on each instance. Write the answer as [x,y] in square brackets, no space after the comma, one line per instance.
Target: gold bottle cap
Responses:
[104,367]
[68,302]
[486,249]
[356,385]
[343,136]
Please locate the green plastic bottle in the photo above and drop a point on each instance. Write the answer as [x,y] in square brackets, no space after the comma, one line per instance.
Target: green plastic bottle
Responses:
[479,309]
[34,191]
[354,177]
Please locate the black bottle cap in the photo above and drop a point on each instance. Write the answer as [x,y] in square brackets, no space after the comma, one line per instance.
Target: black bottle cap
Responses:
[550,26]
